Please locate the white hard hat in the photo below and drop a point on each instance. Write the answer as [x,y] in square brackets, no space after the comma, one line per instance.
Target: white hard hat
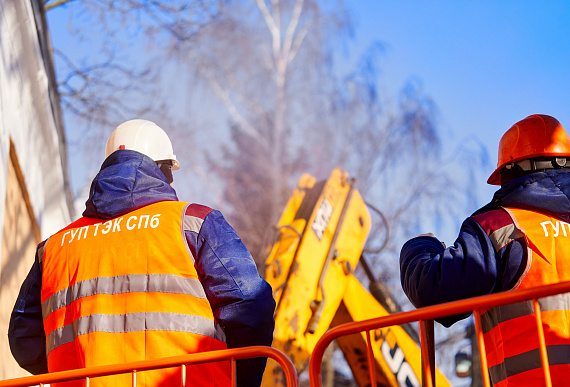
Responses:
[142,136]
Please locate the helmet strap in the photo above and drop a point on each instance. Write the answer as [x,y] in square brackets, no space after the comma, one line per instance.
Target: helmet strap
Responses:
[524,167]
[165,167]
[543,163]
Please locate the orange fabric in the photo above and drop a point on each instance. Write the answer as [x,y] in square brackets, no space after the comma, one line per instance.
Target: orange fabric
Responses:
[136,246]
[513,330]
[548,239]
[559,375]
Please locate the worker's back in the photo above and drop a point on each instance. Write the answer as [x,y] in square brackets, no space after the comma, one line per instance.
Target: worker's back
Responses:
[125,290]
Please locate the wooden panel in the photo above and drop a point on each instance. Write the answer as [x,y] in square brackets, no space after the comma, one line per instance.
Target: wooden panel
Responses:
[20,236]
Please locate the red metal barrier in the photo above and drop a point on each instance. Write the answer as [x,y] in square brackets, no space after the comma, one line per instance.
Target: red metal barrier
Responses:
[175,361]
[425,317]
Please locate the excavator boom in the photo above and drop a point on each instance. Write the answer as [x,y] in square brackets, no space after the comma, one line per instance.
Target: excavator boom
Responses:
[318,243]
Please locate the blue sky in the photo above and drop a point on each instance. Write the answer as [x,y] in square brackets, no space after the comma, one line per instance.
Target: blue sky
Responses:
[486,64]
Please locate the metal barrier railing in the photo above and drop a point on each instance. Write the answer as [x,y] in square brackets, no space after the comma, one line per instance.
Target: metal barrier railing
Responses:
[425,317]
[168,362]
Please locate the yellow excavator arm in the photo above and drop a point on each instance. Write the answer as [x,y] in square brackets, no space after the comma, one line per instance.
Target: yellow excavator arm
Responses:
[319,241]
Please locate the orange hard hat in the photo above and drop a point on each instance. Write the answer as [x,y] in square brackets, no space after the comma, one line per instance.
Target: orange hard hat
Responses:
[535,136]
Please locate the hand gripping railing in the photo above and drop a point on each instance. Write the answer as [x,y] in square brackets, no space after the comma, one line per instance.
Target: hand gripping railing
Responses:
[425,317]
[167,362]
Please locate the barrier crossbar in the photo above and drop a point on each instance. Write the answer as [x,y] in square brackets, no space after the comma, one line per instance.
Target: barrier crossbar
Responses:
[167,362]
[425,316]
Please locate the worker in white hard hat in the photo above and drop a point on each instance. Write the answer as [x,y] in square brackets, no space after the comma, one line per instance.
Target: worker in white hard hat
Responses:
[147,138]
[140,276]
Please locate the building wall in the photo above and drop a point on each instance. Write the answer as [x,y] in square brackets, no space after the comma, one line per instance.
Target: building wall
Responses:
[35,198]
[20,236]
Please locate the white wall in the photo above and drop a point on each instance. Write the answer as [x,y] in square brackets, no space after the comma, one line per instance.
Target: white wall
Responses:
[30,116]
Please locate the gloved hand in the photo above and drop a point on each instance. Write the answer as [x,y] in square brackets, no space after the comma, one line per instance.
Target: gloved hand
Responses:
[429,234]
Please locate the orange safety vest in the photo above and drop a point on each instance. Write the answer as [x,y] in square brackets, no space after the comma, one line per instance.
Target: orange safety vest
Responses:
[125,290]
[511,337]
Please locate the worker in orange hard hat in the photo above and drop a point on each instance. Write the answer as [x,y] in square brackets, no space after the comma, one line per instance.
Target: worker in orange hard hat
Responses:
[538,142]
[521,239]
[140,276]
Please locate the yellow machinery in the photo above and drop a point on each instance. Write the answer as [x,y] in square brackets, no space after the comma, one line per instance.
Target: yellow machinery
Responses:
[319,241]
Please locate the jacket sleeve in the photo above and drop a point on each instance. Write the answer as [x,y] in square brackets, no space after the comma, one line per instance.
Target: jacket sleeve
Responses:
[26,330]
[241,300]
[432,274]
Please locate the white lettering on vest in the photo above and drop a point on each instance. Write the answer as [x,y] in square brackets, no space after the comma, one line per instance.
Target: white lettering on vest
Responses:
[84,229]
[63,238]
[117,224]
[107,228]
[555,227]
[154,221]
[129,227]
[141,220]
[111,226]
[73,234]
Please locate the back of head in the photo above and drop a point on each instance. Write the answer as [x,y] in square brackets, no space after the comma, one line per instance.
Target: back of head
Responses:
[145,137]
[538,142]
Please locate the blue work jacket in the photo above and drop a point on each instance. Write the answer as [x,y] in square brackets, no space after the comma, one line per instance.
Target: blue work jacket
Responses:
[432,274]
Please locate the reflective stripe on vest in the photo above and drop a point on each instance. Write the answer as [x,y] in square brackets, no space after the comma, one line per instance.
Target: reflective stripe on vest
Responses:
[511,338]
[162,283]
[126,289]
[132,322]
[505,235]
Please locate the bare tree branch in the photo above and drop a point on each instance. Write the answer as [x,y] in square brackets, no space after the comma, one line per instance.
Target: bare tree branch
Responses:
[224,95]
